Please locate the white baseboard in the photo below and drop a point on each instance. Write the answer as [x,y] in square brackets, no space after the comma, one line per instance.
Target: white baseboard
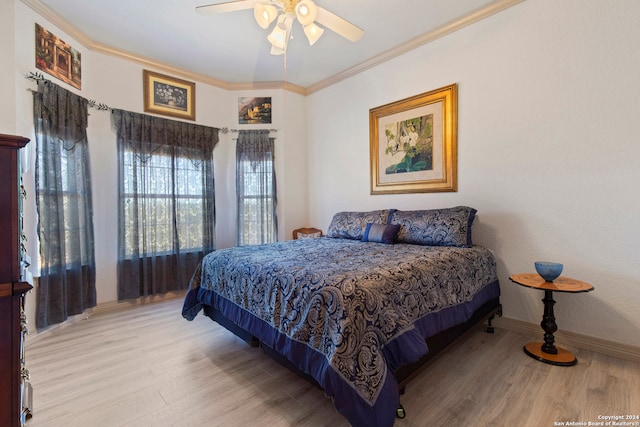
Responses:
[106,307]
[610,348]
[123,305]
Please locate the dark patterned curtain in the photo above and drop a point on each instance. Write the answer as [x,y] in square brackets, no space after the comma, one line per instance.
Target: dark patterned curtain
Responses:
[166,211]
[255,188]
[66,285]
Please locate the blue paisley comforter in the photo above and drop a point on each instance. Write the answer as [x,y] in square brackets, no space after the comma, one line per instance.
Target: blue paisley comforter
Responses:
[346,312]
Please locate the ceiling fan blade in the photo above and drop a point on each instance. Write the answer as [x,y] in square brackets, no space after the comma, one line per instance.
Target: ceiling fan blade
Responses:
[338,25]
[230,6]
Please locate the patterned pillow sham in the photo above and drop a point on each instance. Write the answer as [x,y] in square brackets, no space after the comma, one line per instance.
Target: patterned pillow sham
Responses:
[435,227]
[351,225]
[380,233]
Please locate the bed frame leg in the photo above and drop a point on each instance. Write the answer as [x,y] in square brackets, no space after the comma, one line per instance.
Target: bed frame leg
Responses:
[400,412]
[489,328]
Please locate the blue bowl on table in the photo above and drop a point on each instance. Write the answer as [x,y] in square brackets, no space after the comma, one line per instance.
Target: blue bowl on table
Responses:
[548,270]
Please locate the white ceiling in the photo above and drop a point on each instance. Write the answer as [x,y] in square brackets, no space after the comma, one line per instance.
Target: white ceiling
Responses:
[231,51]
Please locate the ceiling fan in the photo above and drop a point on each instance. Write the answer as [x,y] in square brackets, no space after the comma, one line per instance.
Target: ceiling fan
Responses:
[284,12]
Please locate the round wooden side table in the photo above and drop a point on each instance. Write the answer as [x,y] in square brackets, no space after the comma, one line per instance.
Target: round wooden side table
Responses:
[547,352]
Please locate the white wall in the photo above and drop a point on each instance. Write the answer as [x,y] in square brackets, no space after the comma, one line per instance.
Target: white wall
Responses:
[118,84]
[547,152]
[548,106]
[7,69]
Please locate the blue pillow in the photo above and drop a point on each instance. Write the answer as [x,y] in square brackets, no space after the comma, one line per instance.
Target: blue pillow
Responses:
[380,233]
[350,225]
[435,227]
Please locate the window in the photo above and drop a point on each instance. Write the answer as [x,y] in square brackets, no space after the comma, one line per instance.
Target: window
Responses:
[150,225]
[69,194]
[255,189]
[256,217]
[166,202]
[64,203]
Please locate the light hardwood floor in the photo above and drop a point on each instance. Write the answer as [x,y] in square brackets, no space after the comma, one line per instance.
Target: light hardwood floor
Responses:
[147,366]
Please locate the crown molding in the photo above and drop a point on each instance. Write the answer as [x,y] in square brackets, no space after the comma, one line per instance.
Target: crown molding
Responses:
[92,45]
[455,25]
[59,21]
[268,85]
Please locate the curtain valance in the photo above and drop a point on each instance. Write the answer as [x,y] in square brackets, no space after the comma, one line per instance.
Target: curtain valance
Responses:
[61,113]
[252,146]
[147,134]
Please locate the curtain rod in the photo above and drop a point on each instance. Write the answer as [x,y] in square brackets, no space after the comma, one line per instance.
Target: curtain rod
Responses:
[227,130]
[38,77]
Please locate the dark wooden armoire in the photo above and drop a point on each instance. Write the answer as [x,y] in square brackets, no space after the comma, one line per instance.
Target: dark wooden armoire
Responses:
[14,389]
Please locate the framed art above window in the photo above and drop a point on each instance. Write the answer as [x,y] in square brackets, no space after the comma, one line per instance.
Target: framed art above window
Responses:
[254,110]
[57,58]
[413,144]
[169,96]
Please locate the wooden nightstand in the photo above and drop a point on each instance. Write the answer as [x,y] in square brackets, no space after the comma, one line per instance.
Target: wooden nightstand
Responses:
[307,233]
[547,352]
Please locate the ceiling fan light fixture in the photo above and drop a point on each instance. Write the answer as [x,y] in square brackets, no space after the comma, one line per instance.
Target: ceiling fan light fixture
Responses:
[279,37]
[276,51]
[265,14]
[306,12]
[313,33]
[285,21]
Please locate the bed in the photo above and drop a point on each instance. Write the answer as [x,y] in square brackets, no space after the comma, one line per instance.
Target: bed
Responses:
[357,311]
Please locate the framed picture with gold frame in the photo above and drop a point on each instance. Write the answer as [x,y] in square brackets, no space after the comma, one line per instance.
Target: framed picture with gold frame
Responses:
[169,96]
[413,143]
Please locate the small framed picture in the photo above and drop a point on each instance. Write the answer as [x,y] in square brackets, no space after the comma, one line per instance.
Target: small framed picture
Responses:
[169,96]
[254,110]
